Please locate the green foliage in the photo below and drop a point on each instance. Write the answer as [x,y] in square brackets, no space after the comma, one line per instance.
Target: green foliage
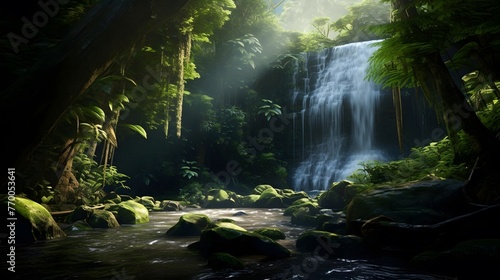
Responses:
[189,169]
[90,177]
[269,109]
[436,159]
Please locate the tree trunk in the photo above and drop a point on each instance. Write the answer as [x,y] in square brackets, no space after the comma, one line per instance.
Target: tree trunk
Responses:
[66,182]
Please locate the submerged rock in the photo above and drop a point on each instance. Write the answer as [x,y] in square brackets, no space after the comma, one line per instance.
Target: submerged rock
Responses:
[224,260]
[33,221]
[238,243]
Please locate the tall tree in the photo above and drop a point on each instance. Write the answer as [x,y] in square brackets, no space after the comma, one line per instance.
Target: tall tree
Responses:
[413,55]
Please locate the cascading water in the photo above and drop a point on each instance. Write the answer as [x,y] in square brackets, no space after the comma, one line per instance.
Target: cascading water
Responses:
[335,126]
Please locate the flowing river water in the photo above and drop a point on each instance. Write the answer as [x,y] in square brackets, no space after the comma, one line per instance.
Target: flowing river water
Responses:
[143,251]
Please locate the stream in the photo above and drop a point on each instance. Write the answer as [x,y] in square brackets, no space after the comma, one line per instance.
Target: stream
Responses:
[143,251]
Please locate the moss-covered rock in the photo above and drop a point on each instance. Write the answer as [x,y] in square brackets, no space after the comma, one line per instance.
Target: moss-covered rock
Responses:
[130,212]
[258,190]
[191,224]
[290,198]
[219,198]
[223,260]
[335,197]
[271,232]
[111,197]
[469,259]
[313,208]
[33,221]
[327,244]
[81,212]
[147,201]
[270,198]
[238,243]
[229,225]
[102,219]
[423,202]
[303,216]
[248,200]
[170,205]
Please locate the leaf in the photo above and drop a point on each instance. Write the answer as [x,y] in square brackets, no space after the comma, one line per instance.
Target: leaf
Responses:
[136,128]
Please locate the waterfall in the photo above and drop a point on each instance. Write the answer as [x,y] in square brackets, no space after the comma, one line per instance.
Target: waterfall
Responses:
[334,120]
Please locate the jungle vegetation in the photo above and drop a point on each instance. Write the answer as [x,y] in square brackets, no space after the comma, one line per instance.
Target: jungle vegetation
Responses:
[202,77]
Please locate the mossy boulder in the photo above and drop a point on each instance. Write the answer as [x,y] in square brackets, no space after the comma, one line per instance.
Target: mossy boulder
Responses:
[422,202]
[238,243]
[290,198]
[270,198]
[231,225]
[303,216]
[80,213]
[258,190]
[33,221]
[170,205]
[338,196]
[102,219]
[224,261]
[248,200]
[271,232]
[469,259]
[148,202]
[111,197]
[219,198]
[313,208]
[130,212]
[191,224]
[329,245]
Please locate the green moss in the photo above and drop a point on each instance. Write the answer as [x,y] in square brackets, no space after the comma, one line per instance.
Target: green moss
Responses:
[190,224]
[271,232]
[224,260]
[130,212]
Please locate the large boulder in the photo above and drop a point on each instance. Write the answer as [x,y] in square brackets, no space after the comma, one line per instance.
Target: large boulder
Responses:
[219,198]
[270,198]
[130,212]
[271,232]
[330,245]
[422,202]
[238,243]
[170,205]
[191,224]
[102,219]
[338,196]
[469,259]
[27,221]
